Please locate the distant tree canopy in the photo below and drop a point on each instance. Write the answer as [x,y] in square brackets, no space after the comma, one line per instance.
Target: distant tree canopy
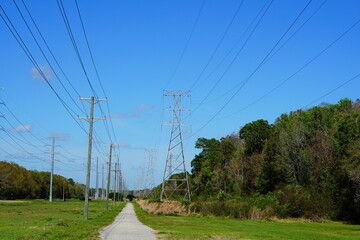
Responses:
[18,183]
[314,153]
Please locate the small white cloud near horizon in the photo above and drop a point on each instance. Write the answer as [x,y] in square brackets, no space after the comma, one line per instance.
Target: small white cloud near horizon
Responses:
[122,145]
[138,112]
[117,116]
[45,69]
[139,147]
[136,115]
[61,136]
[143,106]
[22,128]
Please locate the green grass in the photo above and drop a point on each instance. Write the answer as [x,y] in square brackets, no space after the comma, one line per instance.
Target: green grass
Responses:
[40,219]
[180,227]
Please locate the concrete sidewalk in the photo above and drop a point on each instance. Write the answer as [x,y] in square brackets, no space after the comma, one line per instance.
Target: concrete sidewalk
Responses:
[127,226]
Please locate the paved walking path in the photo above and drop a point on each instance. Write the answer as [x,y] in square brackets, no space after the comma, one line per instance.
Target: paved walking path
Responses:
[127,226]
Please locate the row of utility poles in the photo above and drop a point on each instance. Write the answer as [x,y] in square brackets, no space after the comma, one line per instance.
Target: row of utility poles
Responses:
[91,119]
[118,178]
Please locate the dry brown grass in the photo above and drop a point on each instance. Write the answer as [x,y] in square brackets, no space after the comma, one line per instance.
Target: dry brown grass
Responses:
[166,207]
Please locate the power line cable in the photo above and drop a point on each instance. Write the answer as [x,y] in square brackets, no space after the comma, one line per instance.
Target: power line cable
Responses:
[27,52]
[275,52]
[44,55]
[333,90]
[21,124]
[70,33]
[20,147]
[234,45]
[186,45]
[298,71]
[50,51]
[234,58]
[254,71]
[97,74]
[218,45]
[72,38]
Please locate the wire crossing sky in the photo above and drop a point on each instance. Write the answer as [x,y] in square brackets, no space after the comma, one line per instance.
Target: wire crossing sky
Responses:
[242,60]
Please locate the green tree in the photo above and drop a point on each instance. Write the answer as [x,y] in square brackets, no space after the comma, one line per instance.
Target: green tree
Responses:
[255,135]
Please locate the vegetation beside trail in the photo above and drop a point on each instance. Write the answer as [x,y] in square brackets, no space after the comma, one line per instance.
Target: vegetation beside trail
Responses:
[197,227]
[19,183]
[304,165]
[40,219]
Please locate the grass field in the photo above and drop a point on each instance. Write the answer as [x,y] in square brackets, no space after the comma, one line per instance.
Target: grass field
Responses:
[179,227]
[40,219]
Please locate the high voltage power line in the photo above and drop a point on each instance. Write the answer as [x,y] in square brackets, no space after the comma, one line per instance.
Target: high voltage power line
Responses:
[186,45]
[24,47]
[299,70]
[28,53]
[255,70]
[218,45]
[234,58]
[333,90]
[272,55]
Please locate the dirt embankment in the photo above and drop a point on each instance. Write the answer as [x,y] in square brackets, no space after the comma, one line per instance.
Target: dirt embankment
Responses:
[165,207]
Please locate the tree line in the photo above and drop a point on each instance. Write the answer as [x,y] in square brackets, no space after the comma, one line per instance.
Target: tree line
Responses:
[17,182]
[306,164]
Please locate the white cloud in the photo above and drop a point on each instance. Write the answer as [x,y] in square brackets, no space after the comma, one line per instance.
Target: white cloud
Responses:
[117,116]
[61,136]
[139,147]
[138,112]
[22,128]
[136,115]
[144,107]
[123,145]
[45,70]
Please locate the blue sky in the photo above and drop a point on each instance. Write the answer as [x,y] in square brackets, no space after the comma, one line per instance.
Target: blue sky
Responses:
[137,46]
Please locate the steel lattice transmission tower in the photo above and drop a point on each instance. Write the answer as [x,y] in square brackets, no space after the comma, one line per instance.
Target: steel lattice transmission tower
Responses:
[149,180]
[175,179]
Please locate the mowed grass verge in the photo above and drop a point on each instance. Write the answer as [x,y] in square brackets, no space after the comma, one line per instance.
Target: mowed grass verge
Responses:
[181,227]
[40,219]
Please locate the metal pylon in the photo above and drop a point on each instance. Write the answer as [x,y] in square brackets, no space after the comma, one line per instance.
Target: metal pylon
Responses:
[175,180]
[150,180]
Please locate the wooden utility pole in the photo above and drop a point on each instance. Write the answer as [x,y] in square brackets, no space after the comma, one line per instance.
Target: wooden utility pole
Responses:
[114,185]
[102,183]
[52,168]
[97,179]
[91,122]
[108,178]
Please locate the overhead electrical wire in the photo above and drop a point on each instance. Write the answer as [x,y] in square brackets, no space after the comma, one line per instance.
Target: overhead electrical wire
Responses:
[72,38]
[278,49]
[186,45]
[51,52]
[331,91]
[254,71]
[21,124]
[218,45]
[299,70]
[27,141]
[47,60]
[28,53]
[20,147]
[235,57]
[234,46]
[17,158]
